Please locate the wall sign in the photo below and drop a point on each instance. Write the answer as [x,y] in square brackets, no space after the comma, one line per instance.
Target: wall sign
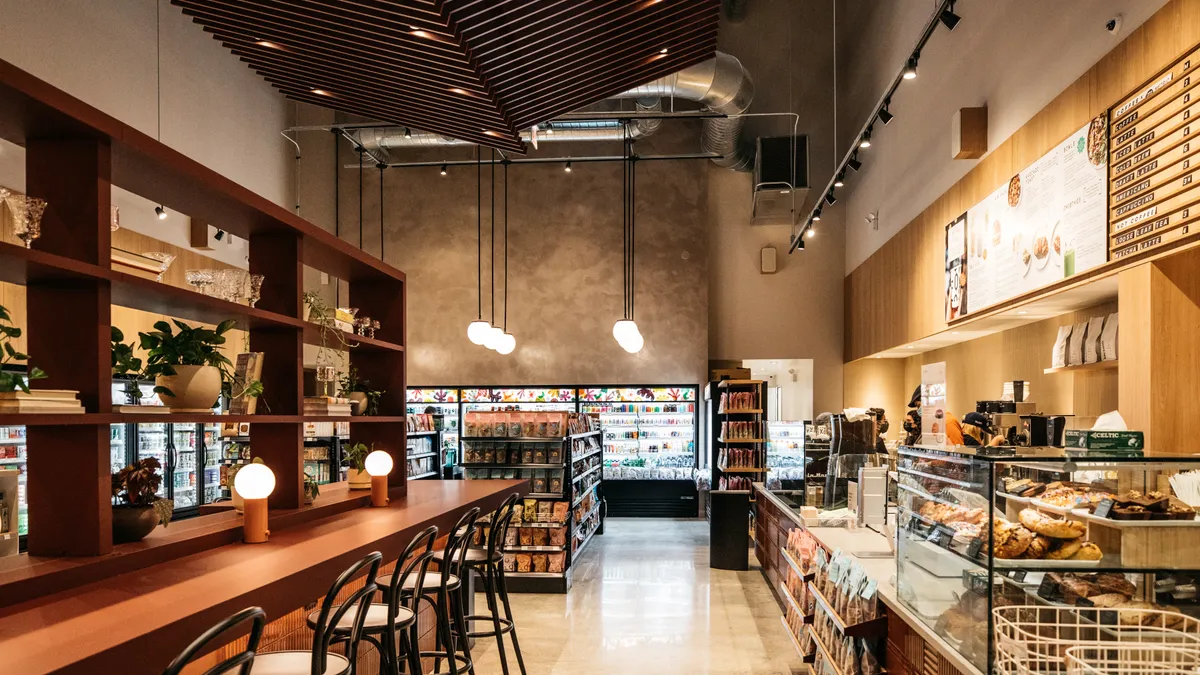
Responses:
[1153,158]
[956,268]
[1046,224]
[933,403]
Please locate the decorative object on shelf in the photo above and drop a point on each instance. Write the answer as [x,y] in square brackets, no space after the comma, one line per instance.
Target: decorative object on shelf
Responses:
[361,325]
[126,365]
[255,482]
[245,387]
[137,508]
[114,218]
[164,260]
[188,367]
[254,293]
[355,457]
[333,340]
[10,381]
[26,214]
[364,398]
[312,489]
[626,330]
[379,465]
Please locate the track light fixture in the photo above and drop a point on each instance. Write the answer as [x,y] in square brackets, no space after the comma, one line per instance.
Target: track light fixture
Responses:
[219,235]
[885,116]
[810,233]
[853,162]
[567,168]
[948,18]
[830,199]
[840,180]
[443,171]
[407,132]
[816,215]
[865,141]
[910,68]
[160,212]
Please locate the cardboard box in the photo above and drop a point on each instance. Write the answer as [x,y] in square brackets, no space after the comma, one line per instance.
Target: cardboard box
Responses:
[730,374]
[1088,439]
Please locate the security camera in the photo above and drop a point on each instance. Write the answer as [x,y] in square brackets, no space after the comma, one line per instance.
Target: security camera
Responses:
[1114,24]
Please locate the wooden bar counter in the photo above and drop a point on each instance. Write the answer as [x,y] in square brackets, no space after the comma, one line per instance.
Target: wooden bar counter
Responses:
[136,621]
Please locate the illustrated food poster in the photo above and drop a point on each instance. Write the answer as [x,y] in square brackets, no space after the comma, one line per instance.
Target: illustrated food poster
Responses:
[1048,223]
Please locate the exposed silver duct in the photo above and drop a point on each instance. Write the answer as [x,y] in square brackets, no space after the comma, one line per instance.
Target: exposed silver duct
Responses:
[720,85]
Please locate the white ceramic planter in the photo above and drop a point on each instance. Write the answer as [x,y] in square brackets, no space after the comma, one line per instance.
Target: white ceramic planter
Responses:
[359,480]
[195,387]
[359,401]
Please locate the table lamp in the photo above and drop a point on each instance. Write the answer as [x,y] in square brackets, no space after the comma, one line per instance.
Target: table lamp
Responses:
[379,465]
[254,482]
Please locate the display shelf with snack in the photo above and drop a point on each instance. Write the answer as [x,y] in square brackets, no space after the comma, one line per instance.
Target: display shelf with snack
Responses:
[1042,527]
[559,453]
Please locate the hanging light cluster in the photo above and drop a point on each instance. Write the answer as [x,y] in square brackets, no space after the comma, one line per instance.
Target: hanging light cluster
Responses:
[481,332]
[626,330]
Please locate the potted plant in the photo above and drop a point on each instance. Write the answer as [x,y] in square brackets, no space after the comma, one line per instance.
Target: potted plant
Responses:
[312,489]
[355,457]
[126,365]
[360,393]
[188,367]
[238,502]
[10,381]
[137,509]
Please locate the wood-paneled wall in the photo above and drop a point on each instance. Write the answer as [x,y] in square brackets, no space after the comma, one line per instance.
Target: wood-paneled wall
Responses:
[906,274]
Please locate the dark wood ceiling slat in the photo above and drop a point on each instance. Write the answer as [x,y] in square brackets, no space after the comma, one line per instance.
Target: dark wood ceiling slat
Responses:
[460,67]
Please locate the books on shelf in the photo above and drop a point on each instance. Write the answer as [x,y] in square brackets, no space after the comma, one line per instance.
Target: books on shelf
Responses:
[58,401]
[327,406]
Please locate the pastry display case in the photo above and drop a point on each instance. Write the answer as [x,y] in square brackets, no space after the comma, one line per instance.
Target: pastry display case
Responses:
[1068,531]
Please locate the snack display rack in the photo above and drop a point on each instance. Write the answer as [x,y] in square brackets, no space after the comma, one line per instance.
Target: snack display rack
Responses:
[560,454]
[738,458]
[1084,539]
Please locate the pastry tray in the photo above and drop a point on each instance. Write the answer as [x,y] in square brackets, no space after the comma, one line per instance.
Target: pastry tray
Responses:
[1027,564]
[1088,516]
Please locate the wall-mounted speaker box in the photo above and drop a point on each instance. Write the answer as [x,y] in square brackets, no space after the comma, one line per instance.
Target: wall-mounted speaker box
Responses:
[767,260]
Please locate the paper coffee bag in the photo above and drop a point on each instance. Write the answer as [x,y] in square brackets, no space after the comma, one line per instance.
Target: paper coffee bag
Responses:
[1091,347]
[1058,358]
[1075,347]
[1108,339]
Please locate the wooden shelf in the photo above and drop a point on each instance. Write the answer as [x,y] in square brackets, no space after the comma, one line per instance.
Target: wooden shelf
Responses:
[864,629]
[795,643]
[1099,365]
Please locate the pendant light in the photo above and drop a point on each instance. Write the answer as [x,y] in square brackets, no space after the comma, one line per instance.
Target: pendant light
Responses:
[625,330]
[478,329]
[507,343]
[494,334]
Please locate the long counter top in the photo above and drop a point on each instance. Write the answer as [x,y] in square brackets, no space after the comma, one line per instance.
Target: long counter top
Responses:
[137,621]
[881,570]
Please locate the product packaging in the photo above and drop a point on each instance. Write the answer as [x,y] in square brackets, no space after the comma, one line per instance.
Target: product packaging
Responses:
[531,511]
[1108,339]
[541,562]
[558,536]
[1058,358]
[499,424]
[514,425]
[546,510]
[1075,346]
[560,513]
[526,536]
[541,536]
[1091,349]
[528,425]
[556,562]
[524,562]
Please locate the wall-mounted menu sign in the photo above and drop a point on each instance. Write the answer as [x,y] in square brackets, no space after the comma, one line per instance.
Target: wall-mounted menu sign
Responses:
[1047,223]
[1153,157]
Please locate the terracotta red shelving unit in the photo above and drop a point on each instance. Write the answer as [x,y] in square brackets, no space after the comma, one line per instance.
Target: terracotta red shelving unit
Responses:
[74,155]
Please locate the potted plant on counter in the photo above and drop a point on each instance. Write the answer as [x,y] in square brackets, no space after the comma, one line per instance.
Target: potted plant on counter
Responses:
[360,393]
[126,366]
[355,457]
[188,367]
[10,381]
[312,489]
[137,508]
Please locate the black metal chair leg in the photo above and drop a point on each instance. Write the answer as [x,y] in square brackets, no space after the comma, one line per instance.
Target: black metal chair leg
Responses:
[414,648]
[503,588]
[460,624]
[444,616]
[494,609]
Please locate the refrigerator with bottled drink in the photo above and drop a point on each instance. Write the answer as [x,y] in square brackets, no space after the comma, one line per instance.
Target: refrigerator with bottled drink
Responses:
[12,457]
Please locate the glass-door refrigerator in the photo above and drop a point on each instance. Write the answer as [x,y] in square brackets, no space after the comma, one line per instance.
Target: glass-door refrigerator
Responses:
[520,399]
[190,455]
[444,402]
[12,458]
[153,440]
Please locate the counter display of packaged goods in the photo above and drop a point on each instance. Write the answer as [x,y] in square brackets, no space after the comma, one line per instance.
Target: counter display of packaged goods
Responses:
[786,457]
[1068,530]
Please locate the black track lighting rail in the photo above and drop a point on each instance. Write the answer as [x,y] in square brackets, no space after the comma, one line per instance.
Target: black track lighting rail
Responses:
[548,160]
[943,15]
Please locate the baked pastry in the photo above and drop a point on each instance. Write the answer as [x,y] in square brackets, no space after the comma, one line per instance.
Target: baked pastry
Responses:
[1113,582]
[1073,588]
[1108,600]
[1057,528]
[1038,548]
[1010,539]
[1064,550]
[1088,551]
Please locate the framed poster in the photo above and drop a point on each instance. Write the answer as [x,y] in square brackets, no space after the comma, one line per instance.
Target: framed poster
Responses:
[933,403]
[956,268]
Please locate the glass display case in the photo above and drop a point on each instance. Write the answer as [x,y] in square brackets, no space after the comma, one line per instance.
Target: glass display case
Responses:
[785,453]
[12,457]
[649,432]
[1069,532]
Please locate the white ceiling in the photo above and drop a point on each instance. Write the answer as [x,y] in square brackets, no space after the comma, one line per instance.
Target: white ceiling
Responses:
[1014,56]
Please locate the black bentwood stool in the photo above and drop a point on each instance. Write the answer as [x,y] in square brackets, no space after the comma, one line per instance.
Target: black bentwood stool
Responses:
[443,591]
[341,622]
[242,660]
[488,563]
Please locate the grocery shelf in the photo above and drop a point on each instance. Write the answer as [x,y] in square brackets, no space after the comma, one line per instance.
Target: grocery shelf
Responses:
[1086,367]
[589,472]
[420,456]
[510,466]
[423,475]
[795,643]
[587,540]
[741,440]
[533,549]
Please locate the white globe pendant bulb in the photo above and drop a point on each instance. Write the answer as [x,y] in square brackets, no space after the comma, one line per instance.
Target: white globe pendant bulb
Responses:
[623,328]
[633,344]
[477,331]
[507,344]
[492,339]
[254,481]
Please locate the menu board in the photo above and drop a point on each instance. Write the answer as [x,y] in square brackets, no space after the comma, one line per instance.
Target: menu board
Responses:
[1153,196]
[1046,224]
[956,268]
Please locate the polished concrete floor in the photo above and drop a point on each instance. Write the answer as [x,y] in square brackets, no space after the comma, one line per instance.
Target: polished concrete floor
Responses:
[645,601]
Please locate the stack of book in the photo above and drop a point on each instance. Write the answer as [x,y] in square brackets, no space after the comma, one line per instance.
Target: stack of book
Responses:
[43,401]
[326,406]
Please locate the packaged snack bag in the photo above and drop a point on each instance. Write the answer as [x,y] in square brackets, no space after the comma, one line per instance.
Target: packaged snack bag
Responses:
[528,425]
[558,536]
[526,536]
[541,536]
[541,562]
[560,513]
[524,562]
[556,562]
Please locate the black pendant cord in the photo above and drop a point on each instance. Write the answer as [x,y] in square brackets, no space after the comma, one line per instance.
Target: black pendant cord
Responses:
[158,62]
[492,240]
[632,232]
[381,168]
[506,246]
[360,196]
[625,229]
[337,211]
[479,228]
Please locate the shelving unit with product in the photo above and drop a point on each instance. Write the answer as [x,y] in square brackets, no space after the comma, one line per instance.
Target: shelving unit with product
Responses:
[13,458]
[562,513]
[1074,531]
[424,448]
[650,440]
[74,156]
[444,402]
[188,452]
[786,456]
[738,459]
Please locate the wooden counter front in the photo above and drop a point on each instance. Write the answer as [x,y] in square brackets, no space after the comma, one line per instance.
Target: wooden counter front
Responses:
[136,622]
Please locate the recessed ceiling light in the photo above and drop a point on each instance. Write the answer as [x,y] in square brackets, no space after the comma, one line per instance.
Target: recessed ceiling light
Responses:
[489,132]
[1022,312]
[267,43]
[908,346]
[456,90]
[418,32]
[663,50]
[954,332]
[321,92]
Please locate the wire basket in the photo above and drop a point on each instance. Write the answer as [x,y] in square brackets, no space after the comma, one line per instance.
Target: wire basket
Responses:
[1132,659]
[1035,638]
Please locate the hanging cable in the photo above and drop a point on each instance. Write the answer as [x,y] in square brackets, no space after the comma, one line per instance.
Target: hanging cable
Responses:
[360,196]
[479,228]
[337,209]
[506,246]
[492,239]
[381,167]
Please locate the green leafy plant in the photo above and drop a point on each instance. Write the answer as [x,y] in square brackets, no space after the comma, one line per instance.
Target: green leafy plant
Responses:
[356,455]
[312,489]
[138,484]
[191,346]
[333,340]
[13,381]
[351,383]
[125,364]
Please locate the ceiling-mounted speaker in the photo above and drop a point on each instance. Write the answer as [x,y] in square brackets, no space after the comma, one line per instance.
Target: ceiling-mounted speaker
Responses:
[780,179]
[968,133]
[768,263]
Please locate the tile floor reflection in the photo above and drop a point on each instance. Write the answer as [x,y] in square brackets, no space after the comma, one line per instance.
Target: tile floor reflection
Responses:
[645,601]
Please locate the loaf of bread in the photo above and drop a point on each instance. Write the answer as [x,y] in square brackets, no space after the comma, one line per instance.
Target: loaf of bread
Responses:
[1056,528]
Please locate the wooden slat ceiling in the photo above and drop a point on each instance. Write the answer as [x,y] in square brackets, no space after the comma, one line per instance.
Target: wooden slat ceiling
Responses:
[477,70]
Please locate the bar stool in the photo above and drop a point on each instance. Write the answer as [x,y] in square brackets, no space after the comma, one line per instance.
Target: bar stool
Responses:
[442,590]
[343,621]
[489,564]
[242,660]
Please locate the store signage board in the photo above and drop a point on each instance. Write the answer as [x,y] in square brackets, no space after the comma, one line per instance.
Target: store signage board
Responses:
[956,268]
[1045,224]
[1154,156]
[933,403]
